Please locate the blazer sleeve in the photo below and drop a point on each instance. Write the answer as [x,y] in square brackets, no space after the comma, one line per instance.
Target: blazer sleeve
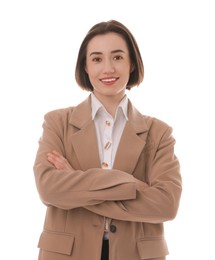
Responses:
[72,189]
[158,199]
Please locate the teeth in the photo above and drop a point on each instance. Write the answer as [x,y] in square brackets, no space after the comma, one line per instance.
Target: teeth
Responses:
[108,80]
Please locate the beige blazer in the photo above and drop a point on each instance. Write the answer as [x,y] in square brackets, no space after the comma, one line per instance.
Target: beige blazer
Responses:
[141,191]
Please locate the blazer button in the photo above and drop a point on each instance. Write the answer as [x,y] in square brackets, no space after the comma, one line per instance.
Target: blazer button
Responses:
[112,228]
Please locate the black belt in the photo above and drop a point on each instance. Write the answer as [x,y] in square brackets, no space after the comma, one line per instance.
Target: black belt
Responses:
[105,250]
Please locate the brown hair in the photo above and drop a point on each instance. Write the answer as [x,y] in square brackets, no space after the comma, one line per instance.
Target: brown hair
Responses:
[137,74]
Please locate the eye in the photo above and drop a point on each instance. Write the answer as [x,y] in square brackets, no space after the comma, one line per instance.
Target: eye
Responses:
[118,57]
[96,59]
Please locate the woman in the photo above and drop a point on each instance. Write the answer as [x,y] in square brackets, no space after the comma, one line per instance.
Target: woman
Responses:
[107,173]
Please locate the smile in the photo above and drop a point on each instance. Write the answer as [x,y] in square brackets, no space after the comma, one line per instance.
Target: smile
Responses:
[109,80]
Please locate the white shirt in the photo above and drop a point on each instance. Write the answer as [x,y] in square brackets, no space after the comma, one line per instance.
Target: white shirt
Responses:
[109,131]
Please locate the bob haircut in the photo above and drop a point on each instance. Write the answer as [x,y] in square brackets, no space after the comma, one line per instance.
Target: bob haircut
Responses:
[137,74]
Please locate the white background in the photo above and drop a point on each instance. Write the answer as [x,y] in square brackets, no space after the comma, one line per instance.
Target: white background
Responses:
[39,41]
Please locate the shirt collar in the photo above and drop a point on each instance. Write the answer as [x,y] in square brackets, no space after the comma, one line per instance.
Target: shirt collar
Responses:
[97,105]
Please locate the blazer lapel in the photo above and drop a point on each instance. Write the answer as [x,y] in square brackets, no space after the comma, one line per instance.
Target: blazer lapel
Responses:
[84,140]
[85,144]
[131,144]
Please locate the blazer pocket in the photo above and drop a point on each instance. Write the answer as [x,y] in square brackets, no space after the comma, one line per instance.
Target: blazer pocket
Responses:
[152,248]
[56,242]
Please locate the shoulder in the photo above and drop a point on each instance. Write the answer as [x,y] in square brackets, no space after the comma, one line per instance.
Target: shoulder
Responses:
[160,133]
[145,122]
[156,123]
[59,114]
[157,129]
[57,119]
[77,115]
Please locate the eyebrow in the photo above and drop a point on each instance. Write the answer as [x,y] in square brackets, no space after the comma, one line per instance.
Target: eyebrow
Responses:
[98,52]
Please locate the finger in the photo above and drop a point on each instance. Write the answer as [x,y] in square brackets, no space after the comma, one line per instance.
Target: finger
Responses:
[57,153]
[51,158]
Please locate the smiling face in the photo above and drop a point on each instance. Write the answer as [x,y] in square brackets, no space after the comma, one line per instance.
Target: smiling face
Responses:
[108,65]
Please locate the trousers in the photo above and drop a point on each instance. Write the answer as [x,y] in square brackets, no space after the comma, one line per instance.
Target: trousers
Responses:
[105,250]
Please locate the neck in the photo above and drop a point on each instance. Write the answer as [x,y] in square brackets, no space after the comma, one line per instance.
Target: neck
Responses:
[110,102]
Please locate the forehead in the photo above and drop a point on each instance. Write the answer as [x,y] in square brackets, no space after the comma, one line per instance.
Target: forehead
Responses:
[107,42]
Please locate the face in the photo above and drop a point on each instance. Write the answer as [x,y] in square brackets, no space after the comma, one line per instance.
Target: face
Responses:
[108,65]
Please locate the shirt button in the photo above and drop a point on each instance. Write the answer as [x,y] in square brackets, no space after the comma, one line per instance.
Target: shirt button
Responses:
[112,228]
[107,123]
[104,164]
[107,145]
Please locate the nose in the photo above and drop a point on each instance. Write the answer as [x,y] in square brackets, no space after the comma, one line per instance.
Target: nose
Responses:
[109,67]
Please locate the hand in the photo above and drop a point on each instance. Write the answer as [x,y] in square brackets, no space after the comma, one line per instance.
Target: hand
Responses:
[59,162]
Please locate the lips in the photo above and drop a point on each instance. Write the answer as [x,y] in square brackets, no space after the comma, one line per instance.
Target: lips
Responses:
[109,81]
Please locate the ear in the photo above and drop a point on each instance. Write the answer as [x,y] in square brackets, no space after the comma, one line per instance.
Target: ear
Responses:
[86,69]
[132,68]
